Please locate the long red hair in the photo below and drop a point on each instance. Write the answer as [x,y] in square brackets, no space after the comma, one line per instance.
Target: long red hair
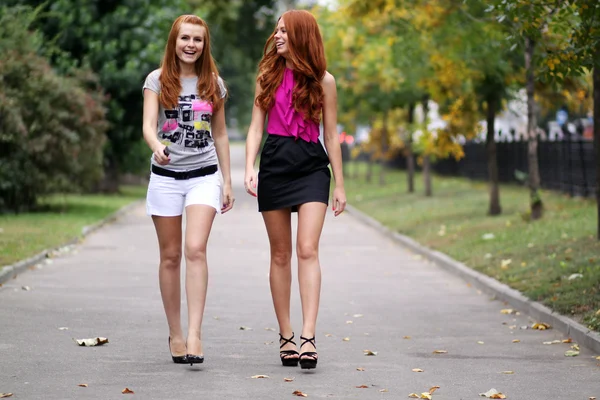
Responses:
[205,66]
[307,56]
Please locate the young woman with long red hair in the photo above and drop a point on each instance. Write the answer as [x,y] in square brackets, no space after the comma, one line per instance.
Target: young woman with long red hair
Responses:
[184,126]
[295,90]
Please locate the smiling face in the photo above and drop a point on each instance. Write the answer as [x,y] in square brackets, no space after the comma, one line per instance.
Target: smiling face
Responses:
[190,43]
[281,38]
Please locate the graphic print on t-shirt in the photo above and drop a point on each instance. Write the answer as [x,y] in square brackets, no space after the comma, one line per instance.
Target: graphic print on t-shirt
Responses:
[189,124]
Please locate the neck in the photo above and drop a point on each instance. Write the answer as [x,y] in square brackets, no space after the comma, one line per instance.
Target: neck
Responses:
[186,70]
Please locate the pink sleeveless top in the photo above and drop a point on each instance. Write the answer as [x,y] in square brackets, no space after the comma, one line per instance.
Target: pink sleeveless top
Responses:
[284,120]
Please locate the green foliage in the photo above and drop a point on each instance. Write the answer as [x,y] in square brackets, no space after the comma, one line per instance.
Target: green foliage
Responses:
[52,127]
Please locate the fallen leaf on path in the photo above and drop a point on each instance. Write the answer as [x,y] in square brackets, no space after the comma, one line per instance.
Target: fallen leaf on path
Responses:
[440,351]
[271,342]
[328,335]
[63,328]
[553,342]
[362,387]
[493,394]
[592,398]
[369,353]
[417,370]
[259,376]
[127,391]
[512,327]
[433,389]
[383,390]
[542,326]
[569,340]
[346,339]
[507,372]
[516,341]
[406,337]
[349,322]
[5,395]
[270,329]
[480,342]
[413,396]
[26,288]
[425,395]
[98,341]
[357,315]
[507,311]
[575,347]
[571,353]
[299,394]
[598,358]
[217,318]
[360,369]
[288,379]
[245,328]
[83,385]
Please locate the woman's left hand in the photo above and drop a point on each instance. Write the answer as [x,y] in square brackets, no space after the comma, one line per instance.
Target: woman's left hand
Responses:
[339,200]
[228,199]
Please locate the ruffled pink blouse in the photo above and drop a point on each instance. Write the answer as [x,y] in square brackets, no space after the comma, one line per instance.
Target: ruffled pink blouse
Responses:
[284,120]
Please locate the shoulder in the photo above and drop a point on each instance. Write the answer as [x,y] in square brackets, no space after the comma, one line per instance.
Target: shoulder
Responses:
[328,81]
[154,74]
[222,87]
[153,81]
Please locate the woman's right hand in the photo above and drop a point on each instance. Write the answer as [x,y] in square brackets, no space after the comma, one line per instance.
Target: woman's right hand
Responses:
[250,181]
[160,155]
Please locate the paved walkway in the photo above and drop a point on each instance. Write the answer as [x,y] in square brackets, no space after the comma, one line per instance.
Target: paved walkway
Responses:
[374,293]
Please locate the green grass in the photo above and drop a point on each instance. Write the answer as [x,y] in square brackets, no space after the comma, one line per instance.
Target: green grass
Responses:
[60,219]
[543,253]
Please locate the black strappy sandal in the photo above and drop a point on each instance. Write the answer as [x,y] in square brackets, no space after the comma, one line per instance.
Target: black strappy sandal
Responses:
[310,357]
[284,355]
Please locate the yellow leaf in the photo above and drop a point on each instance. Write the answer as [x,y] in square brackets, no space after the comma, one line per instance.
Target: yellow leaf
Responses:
[569,340]
[541,326]
[507,311]
[480,342]
[5,395]
[328,335]
[369,353]
[433,389]
[413,396]
[288,379]
[362,387]
[299,393]
[127,391]
[516,341]
[259,376]
[440,351]
[346,339]
[383,390]
[508,372]
[406,337]
[425,395]
[349,322]
[417,370]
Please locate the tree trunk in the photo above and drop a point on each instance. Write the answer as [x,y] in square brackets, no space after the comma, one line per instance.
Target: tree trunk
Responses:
[384,145]
[597,137]
[426,158]
[492,160]
[532,159]
[410,157]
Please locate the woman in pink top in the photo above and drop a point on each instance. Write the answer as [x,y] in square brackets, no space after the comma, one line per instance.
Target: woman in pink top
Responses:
[295,90]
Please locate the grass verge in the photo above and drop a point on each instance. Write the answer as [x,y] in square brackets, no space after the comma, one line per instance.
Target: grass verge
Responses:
[60,219]
[540,258]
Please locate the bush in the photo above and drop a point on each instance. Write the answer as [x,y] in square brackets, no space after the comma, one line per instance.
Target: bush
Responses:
[52,127]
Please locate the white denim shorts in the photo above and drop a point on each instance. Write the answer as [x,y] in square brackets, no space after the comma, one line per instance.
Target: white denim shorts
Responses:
[168,197]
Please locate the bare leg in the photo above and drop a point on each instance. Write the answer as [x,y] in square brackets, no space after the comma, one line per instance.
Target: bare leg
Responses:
[168,230]
[199,219]
[279,230]
[310,224]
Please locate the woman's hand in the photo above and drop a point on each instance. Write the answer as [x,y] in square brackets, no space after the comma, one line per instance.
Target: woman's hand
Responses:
[228,199]
[250,181]
[161,154]
[339,200]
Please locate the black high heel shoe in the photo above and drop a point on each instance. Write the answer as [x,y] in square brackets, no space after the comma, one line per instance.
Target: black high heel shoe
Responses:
[284,355]
[194,359]
[177,359]
[310,357]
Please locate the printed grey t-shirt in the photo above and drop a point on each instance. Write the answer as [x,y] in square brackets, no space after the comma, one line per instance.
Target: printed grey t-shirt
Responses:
[186,130]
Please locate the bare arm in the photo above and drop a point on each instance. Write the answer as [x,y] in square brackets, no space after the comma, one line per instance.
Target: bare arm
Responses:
[149,127]
[219,132]
[332,143]
[253,140]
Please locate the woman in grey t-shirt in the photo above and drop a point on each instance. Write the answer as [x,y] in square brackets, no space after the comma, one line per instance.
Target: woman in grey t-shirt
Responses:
[184,126]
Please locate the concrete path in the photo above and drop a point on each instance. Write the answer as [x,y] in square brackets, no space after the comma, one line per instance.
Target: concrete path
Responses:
[376,296]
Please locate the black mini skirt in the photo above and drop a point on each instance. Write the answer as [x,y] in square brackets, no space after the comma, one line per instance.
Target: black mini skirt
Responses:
[292,172]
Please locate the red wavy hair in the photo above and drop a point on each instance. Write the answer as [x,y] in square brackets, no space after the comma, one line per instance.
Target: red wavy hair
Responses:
[205,66]
[307,56]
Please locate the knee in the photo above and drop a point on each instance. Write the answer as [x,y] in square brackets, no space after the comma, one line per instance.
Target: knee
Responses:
[307,251]
[195,253]
[170,259]
[281,257]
